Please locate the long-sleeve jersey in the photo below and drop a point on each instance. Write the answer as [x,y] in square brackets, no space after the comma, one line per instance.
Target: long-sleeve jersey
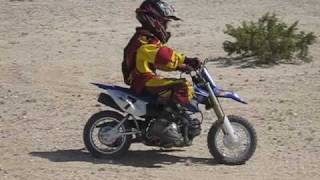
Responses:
[143,55]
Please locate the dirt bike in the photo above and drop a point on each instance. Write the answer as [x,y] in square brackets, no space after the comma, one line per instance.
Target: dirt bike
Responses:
[109,134]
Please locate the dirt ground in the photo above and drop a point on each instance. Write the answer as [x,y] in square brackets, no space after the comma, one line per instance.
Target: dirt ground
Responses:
[51,50]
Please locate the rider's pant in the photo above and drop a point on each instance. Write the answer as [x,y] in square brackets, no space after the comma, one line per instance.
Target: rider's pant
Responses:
[170,89]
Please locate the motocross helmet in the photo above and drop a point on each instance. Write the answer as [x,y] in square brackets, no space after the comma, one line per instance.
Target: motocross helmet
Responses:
[154,16]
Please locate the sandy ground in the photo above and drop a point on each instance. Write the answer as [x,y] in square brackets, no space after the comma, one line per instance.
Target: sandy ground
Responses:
[51,50]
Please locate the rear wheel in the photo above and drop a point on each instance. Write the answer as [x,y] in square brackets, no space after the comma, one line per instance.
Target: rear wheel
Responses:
[100,137]
[233,153]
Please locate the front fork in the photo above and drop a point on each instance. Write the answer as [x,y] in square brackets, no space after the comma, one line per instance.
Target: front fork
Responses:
[227,128]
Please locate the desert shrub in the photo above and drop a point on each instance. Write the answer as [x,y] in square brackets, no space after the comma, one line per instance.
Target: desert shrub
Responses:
[269,39]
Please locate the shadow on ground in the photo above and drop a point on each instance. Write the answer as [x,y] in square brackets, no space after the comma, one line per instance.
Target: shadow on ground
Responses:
[138,158]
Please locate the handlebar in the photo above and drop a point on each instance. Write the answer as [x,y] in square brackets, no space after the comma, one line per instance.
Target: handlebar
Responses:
[191,69]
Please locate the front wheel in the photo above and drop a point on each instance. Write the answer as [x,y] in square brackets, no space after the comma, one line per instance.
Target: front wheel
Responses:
[102,139]
[232,153]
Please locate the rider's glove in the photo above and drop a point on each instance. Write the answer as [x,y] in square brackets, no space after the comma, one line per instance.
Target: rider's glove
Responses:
[193,62]
[185,68]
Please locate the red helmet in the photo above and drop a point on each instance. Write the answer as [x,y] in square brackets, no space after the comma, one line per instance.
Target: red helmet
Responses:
[154,16]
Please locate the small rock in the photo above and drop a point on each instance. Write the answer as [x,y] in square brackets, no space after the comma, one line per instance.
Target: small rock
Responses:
[309,139]
[1,102]
[292,113]
[280,119]
[13,42]
[269,128]
[31,101]
[188,162]
[262,79]
[101,169]
[24,34]
[247,80]
[291,128]
[98,105]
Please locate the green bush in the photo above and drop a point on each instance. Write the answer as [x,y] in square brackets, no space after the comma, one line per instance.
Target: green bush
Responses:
[269,39]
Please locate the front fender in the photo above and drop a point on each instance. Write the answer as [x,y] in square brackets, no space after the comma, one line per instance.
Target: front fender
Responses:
[228,94]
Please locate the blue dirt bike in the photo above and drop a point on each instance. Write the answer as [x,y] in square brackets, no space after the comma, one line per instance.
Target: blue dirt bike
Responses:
[109,134]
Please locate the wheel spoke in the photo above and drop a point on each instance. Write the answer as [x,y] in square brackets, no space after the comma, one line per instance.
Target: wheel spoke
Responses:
[100,138]
[233,151]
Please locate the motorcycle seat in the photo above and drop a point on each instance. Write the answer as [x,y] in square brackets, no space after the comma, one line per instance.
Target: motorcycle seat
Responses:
[145,96]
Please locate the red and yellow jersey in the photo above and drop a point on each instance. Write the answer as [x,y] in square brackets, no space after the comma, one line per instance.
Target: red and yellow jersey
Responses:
[143,55]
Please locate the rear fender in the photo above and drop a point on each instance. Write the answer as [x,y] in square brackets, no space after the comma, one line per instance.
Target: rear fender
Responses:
[121,100]
[107,100]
